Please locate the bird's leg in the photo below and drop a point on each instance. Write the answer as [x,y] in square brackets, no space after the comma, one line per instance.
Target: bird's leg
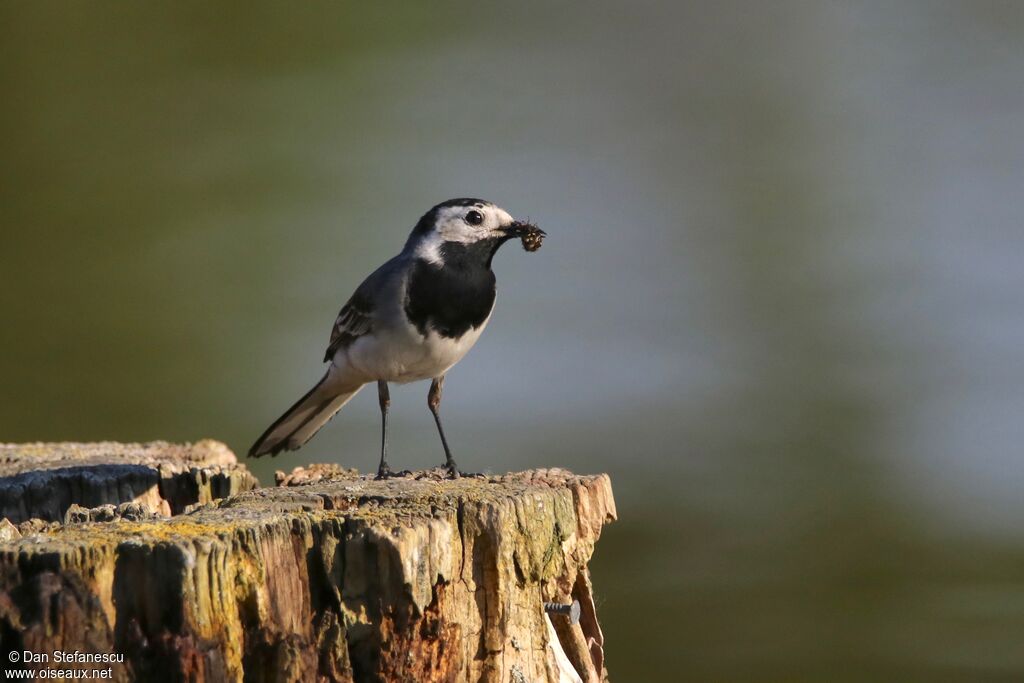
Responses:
[383,472]
[434,401]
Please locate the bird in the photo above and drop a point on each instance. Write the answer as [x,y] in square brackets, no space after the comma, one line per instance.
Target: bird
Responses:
[410,320]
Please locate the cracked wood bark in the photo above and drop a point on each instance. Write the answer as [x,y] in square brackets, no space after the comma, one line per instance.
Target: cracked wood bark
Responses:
[343,579]
[43,480]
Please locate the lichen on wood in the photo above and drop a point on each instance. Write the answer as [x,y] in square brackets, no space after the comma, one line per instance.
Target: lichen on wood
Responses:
[343,579]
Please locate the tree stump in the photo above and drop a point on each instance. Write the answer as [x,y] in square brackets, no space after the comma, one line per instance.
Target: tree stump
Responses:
[43,480]
[330,577]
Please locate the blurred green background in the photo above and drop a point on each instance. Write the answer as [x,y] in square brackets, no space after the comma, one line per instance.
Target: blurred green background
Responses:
[782,300]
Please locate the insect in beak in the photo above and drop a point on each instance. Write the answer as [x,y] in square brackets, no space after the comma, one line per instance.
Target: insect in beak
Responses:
[529,234]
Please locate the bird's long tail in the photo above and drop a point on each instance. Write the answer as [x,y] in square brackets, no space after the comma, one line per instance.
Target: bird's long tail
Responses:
[307,416]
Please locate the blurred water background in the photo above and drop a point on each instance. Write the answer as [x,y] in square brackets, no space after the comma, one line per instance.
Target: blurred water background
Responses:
[781,300]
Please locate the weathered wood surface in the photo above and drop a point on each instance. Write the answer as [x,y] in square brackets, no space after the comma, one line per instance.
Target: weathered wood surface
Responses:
[341,579]
[43,480]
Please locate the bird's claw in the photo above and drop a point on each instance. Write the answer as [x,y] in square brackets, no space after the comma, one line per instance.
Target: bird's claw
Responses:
[454,472]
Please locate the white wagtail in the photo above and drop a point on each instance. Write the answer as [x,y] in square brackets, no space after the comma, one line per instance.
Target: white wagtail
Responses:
[412,319]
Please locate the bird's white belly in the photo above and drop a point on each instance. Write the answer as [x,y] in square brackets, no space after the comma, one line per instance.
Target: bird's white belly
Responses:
[404,355]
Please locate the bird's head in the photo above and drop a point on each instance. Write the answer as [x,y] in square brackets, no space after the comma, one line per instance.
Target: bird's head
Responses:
[467,224]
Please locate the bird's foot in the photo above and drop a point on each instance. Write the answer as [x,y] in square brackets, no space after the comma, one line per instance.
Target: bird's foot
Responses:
[454,472]
[388,473]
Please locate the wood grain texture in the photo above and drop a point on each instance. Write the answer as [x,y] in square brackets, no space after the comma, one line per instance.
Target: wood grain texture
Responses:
[341,579]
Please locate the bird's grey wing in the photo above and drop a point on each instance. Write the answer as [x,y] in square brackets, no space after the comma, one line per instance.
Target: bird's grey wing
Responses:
[357,316]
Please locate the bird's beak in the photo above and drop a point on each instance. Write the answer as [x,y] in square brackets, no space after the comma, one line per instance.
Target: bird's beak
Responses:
[518,229]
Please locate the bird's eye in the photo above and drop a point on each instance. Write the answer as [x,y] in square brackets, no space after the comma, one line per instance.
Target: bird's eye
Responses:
[474,218]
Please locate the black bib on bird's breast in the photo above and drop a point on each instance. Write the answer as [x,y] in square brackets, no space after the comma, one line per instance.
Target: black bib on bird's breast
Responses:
[455,297]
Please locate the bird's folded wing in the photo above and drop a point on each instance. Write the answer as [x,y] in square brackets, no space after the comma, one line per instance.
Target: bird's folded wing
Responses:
[358,315]
[354,320]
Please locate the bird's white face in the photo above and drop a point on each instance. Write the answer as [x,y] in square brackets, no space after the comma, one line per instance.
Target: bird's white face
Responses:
[460,221]
[468,224]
